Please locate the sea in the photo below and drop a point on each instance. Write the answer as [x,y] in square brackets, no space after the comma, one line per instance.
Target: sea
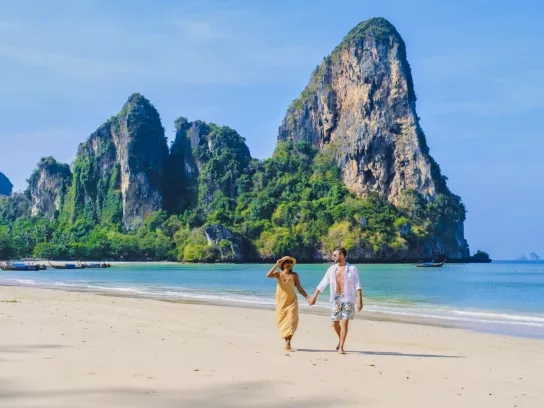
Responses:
[502,297]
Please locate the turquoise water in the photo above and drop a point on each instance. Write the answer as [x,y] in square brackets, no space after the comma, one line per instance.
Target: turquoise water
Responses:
[501,297]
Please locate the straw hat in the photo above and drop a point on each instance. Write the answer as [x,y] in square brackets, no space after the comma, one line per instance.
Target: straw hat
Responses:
[288,258]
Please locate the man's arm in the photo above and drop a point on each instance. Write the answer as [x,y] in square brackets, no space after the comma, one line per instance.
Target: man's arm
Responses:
[359,290]
[321,287]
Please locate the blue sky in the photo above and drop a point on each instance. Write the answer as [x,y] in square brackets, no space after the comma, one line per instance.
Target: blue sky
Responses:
[478,67]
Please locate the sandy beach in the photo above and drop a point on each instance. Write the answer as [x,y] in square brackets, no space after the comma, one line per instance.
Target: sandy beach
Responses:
[73,349]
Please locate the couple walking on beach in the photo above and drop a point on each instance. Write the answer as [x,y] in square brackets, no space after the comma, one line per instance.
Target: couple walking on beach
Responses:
[345,285]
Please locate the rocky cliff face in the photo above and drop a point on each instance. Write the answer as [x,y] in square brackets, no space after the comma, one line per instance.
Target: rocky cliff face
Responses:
[214,158]
[48,186]
[360,104]
[5,185]
[230,245]
[181,176]
[119,169]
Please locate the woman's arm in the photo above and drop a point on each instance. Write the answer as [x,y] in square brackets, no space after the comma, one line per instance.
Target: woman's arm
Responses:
[272,273]
[300,289]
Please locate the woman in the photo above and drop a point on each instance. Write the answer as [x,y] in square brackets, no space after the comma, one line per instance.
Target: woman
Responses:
[286,298]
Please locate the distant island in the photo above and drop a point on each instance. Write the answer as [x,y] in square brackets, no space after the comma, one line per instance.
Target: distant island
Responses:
[532,257]
[351,167]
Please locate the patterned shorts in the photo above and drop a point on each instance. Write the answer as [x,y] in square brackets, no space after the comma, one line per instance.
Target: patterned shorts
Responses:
[342,310]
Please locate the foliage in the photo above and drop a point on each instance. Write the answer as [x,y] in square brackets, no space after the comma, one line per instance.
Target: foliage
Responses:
[294,202]
[52,167]
[480,256]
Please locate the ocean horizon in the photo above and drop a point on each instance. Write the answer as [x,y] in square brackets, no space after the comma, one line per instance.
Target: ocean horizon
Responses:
[503,297]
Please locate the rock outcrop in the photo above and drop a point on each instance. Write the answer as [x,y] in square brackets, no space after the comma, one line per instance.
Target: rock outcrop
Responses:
[230,245]
[5,185]
[351,168]
[48,186]
[360,103]
[181,176]
[214,158]
[119,169]
[534,257]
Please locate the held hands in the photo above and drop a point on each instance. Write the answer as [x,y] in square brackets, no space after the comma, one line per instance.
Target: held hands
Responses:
[311,300]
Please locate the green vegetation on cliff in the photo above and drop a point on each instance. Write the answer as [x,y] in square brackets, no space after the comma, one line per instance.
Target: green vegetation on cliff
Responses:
[294,202]
[95,196]
[206,199]
[378,28]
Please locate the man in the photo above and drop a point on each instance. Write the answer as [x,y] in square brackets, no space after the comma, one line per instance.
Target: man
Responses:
[344,281]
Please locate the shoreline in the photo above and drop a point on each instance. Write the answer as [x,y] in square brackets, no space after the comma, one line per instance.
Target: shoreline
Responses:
[320,310]
[62,348]
[408,261]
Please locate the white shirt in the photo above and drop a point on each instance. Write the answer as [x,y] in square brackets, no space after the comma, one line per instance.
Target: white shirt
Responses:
[351,282]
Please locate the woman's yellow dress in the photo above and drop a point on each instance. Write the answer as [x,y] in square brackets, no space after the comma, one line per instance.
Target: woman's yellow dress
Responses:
[286,307]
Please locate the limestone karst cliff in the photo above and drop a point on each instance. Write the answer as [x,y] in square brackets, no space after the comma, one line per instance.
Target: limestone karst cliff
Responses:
[119,169]
[48,186]
[361,104]
[351,167]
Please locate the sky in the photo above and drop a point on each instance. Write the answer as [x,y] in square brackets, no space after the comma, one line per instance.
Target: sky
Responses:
[478,67]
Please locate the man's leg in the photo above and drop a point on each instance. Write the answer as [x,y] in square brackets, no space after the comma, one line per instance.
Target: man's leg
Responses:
[337,316]
[336,326]
[343,334]
[348,309]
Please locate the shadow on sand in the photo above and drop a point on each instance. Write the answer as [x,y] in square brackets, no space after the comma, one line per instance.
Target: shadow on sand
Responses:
[378,353]
[264,394]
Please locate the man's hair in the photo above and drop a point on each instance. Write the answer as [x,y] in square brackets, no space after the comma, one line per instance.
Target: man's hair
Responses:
[341,249]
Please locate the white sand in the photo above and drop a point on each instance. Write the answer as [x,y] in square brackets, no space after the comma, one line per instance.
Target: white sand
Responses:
[69,349]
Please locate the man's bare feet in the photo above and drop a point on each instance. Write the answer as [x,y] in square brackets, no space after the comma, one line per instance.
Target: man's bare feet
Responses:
[341,351]
[337,347]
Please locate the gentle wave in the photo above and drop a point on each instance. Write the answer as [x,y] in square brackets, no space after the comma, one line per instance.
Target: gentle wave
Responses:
[500,316]
[26,281]
[426,312]
[439,315]
[184,293]
[393,307]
